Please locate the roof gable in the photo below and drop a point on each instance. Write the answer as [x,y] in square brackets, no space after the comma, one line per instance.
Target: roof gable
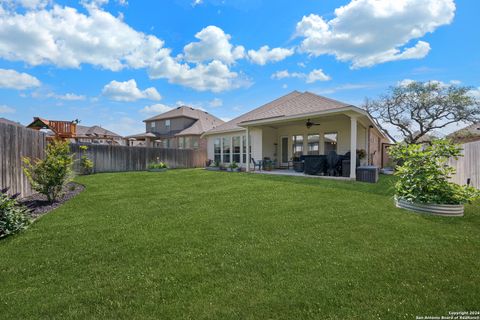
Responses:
[205,121]
[294,103]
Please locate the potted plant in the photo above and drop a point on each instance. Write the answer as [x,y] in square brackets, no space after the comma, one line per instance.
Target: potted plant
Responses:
[233,167]
[362,155]
[214,166]
[267,165]
[423,179]
[157,167]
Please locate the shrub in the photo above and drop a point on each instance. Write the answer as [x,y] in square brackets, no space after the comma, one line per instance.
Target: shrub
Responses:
[424,174]
[233,165]
[86,165]
[13,216]
[159,165]
[50,175]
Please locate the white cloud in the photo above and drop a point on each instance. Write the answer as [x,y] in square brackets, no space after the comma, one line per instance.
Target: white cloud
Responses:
[155,109]
[406,82]
[128,91]
[214,44]
[369,32]
[68,97]
[196,3]
[216,102]
[67,38]
[225,119]
[214,76]
[317,75]
[6,109]
[12,79]
[264,55]
[282,74]
[64,37]
[475,93]
[312,76]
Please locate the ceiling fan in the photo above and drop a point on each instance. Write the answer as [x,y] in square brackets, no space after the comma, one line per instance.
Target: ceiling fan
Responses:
[309,124]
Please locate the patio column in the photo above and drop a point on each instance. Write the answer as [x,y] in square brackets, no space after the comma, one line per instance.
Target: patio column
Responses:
[353,146]
[247,139]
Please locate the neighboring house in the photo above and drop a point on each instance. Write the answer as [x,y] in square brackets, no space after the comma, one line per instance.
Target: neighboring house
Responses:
[467,134]
[6,121]
[179,128]
[97,135]
[293,125]
[70,130]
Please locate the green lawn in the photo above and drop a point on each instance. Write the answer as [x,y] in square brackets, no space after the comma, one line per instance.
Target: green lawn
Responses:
[193,244]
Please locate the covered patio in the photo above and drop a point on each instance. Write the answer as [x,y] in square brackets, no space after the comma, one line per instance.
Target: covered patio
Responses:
[306,132]
[310,141]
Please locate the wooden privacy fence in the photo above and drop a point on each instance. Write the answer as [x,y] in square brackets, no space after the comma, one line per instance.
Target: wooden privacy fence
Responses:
[108,158]
[468,166]
[17,142]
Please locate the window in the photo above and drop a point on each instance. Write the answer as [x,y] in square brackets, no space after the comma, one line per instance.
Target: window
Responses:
[152,124]
[167,124]
[164,143]
[244,148]
[330,142]
[217,150]
[195,142]
[236,149]
[297,145]
[181,142]
[313,143]
[226,150]
[186,143]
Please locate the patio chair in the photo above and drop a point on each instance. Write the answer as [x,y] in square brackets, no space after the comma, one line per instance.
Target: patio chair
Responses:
[258,164]
[332,163]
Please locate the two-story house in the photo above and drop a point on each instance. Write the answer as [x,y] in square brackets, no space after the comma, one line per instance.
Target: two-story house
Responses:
[179,128]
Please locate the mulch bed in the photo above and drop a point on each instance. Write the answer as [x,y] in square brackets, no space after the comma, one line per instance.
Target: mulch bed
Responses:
[38,204]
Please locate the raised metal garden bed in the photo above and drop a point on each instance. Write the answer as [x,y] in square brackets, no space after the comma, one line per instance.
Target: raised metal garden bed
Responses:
[449,210]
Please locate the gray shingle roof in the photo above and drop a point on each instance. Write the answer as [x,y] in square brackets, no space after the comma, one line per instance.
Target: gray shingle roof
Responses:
[6,121]
[95,131]
[294,103]
[205,121]
[470,133]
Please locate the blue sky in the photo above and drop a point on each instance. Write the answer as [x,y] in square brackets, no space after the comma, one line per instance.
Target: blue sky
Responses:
[115,63]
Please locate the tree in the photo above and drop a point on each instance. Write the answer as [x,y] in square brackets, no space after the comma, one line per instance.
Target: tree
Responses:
[419,108]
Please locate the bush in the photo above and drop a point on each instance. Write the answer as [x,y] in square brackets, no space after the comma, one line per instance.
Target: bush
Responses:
[233,165]
[49,176]
[159,165]
[424,174]
[86,165]
[13,216]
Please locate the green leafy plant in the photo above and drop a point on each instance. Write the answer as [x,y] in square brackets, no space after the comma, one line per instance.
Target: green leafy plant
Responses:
[424,174]
[159,165]
[13,216]
[86,165]
[233,165]
[361,153]
[50,175]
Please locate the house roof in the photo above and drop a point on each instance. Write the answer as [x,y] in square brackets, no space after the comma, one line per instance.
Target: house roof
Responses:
[470,133]
[294,103]
[6,121]
[95,131]
[205,121]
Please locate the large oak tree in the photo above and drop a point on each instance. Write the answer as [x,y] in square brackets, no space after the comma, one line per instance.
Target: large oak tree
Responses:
[417,109]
